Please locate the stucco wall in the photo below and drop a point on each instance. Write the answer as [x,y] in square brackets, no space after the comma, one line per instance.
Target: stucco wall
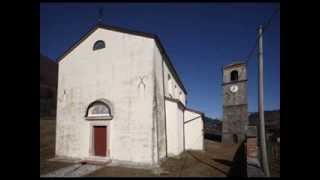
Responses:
[177,92]
[174,119]
[122,73]
[159,101]
[193,129]
[180,129]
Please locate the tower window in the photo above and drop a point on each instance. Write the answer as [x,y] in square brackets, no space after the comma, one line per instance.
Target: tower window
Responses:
[99,45]
[234,75]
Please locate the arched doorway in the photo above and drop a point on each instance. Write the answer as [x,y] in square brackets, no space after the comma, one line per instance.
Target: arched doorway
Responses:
[99,113]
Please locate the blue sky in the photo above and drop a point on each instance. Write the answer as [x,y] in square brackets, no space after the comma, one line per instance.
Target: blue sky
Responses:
[199,39]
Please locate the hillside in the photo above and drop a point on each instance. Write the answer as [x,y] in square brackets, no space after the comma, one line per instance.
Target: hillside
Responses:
[212,126]
[48,86]
[48,71]
[272,119]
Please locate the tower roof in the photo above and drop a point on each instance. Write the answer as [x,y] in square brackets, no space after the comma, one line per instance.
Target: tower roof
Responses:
[234,64]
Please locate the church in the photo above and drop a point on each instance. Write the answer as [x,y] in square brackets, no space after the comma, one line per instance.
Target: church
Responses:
[120,98]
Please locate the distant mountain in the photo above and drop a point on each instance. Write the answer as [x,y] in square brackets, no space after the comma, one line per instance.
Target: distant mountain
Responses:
[272,122]
[48,86]
[212,126]
[48,71]
[272,119]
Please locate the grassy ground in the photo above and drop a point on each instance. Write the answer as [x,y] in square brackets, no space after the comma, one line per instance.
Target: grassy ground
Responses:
[47,146]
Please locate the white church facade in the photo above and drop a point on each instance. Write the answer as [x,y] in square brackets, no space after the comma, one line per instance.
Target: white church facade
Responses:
[120,98]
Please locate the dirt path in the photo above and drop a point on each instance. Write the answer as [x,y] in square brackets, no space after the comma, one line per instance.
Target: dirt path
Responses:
[218,160]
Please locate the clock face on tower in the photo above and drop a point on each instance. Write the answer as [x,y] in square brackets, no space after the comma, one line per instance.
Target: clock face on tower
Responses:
[234,88]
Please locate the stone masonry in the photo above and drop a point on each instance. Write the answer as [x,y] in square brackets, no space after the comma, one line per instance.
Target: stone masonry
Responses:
[235,107]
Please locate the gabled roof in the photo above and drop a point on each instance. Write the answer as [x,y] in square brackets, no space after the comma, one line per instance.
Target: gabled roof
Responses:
[133,32]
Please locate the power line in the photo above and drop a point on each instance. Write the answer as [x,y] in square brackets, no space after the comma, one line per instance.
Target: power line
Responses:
[270,19]
[253,49]
[265,27]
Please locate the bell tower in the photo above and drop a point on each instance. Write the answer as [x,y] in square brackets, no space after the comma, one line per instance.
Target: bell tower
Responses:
[235,104]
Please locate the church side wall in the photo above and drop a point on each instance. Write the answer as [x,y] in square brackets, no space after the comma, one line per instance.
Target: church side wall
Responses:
[172,138]
[122,73]
[176,92]
[180,130]
[159,101]
[174,121]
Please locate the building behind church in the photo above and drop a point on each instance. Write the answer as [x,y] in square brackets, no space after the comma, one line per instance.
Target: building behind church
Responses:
[121,99]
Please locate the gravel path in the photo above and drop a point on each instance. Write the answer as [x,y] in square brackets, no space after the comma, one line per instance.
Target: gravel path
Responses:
[76,170]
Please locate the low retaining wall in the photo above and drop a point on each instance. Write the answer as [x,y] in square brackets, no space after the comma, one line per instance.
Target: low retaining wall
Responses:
[254,168]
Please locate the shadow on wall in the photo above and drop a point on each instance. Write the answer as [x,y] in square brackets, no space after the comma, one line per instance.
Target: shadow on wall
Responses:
[212,137]
[238,166]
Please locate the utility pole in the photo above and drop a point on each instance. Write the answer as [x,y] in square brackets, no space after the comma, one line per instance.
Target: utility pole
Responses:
[261,108]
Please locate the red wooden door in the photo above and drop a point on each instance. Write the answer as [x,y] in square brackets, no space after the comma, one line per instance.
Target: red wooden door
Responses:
[100,140]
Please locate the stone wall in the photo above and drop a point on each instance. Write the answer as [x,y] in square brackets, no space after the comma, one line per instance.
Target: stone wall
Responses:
[253,164]
[234,123]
